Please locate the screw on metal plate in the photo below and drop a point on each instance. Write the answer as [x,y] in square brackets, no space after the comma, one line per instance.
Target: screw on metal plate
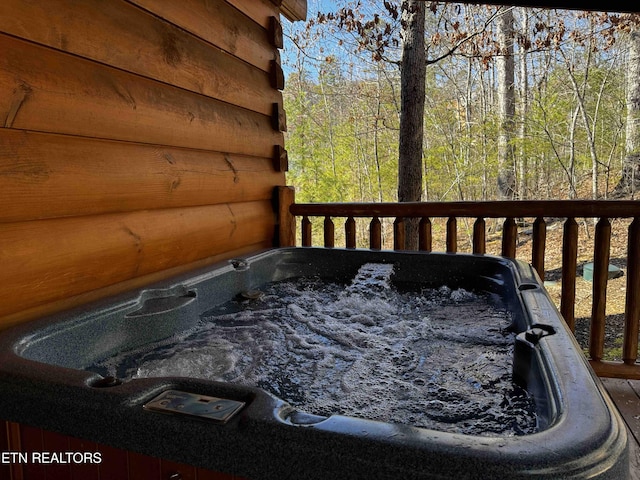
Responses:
[219,410]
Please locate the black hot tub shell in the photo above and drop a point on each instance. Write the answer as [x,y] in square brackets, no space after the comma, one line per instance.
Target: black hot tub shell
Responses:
[43,383]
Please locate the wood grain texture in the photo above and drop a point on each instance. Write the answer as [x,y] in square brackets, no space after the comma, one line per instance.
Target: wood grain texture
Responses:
[286,221]
[45,176]
[220,24]
[137,143]
[258,10]
[489,209]
[5,470]
[119,34]
[626,396]
[48,91]
[30,312]
[294,10]
[632,301]
[48,260]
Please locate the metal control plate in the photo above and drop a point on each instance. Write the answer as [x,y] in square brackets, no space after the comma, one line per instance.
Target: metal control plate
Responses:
[218,410]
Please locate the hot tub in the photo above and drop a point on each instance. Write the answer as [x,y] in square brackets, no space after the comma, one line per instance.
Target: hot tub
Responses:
[53,375]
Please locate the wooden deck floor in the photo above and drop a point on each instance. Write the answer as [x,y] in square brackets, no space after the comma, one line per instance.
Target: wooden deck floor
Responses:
[626,396]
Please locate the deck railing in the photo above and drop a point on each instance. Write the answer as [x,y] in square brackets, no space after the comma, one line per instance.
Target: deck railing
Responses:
[510,211]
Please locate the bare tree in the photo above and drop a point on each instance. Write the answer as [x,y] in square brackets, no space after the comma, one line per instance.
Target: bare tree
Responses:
[630,181]
[412,84]
[506,105]
[524,101]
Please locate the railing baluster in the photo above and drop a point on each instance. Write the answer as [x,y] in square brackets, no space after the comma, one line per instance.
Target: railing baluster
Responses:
[509,237]
[424,235]
[350,232]
[398,234]
[632,308]
[539,244]
[452,235]
[375,234]
[479,236]
[306,231]
[602,243]
[569,264]
[329,232]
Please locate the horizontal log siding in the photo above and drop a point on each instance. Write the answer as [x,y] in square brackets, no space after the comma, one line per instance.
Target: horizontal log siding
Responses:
[47,260]
[106,31]
[132,284]
[258,10]
[136,141]
[49,91]
[46,176]
[220,24]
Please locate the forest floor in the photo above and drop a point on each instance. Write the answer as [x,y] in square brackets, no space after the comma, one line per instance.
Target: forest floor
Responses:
[616,287]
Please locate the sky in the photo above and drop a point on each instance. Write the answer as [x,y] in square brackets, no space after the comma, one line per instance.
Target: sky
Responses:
[315,54]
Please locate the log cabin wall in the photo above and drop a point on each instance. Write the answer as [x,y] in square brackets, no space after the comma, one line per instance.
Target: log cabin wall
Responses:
[138,139]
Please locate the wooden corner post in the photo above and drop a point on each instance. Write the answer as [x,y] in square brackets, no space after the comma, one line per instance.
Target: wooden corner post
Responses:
[286,235]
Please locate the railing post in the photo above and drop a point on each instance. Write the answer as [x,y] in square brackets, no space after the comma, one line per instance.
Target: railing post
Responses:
[479,236]
[602,243]
[632,308]
[509,237]
[569,265]
[350,232]
[329,233]
[452,235]
[424,235]
[398,234]
[539,244]
[375,234]
[306,231]
[286,221]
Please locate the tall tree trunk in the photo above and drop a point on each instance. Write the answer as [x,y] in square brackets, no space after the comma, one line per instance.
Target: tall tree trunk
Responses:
[524,107]
[629,184]
[412,82]
[506,105]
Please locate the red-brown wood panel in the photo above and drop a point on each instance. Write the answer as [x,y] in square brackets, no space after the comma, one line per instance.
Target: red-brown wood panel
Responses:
[87,470]
[4,447]
[55,443]
[31,441]
[49,91]
[187,472]
[143,466]
[109,32]
[114,464]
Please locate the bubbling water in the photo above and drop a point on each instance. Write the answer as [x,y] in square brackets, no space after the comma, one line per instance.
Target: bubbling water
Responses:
[433,358]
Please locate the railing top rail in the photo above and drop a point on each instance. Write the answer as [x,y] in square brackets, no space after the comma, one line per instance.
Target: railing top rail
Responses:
[486,209]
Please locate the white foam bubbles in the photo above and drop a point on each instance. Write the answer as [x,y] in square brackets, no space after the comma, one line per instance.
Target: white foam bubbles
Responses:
[436,358]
